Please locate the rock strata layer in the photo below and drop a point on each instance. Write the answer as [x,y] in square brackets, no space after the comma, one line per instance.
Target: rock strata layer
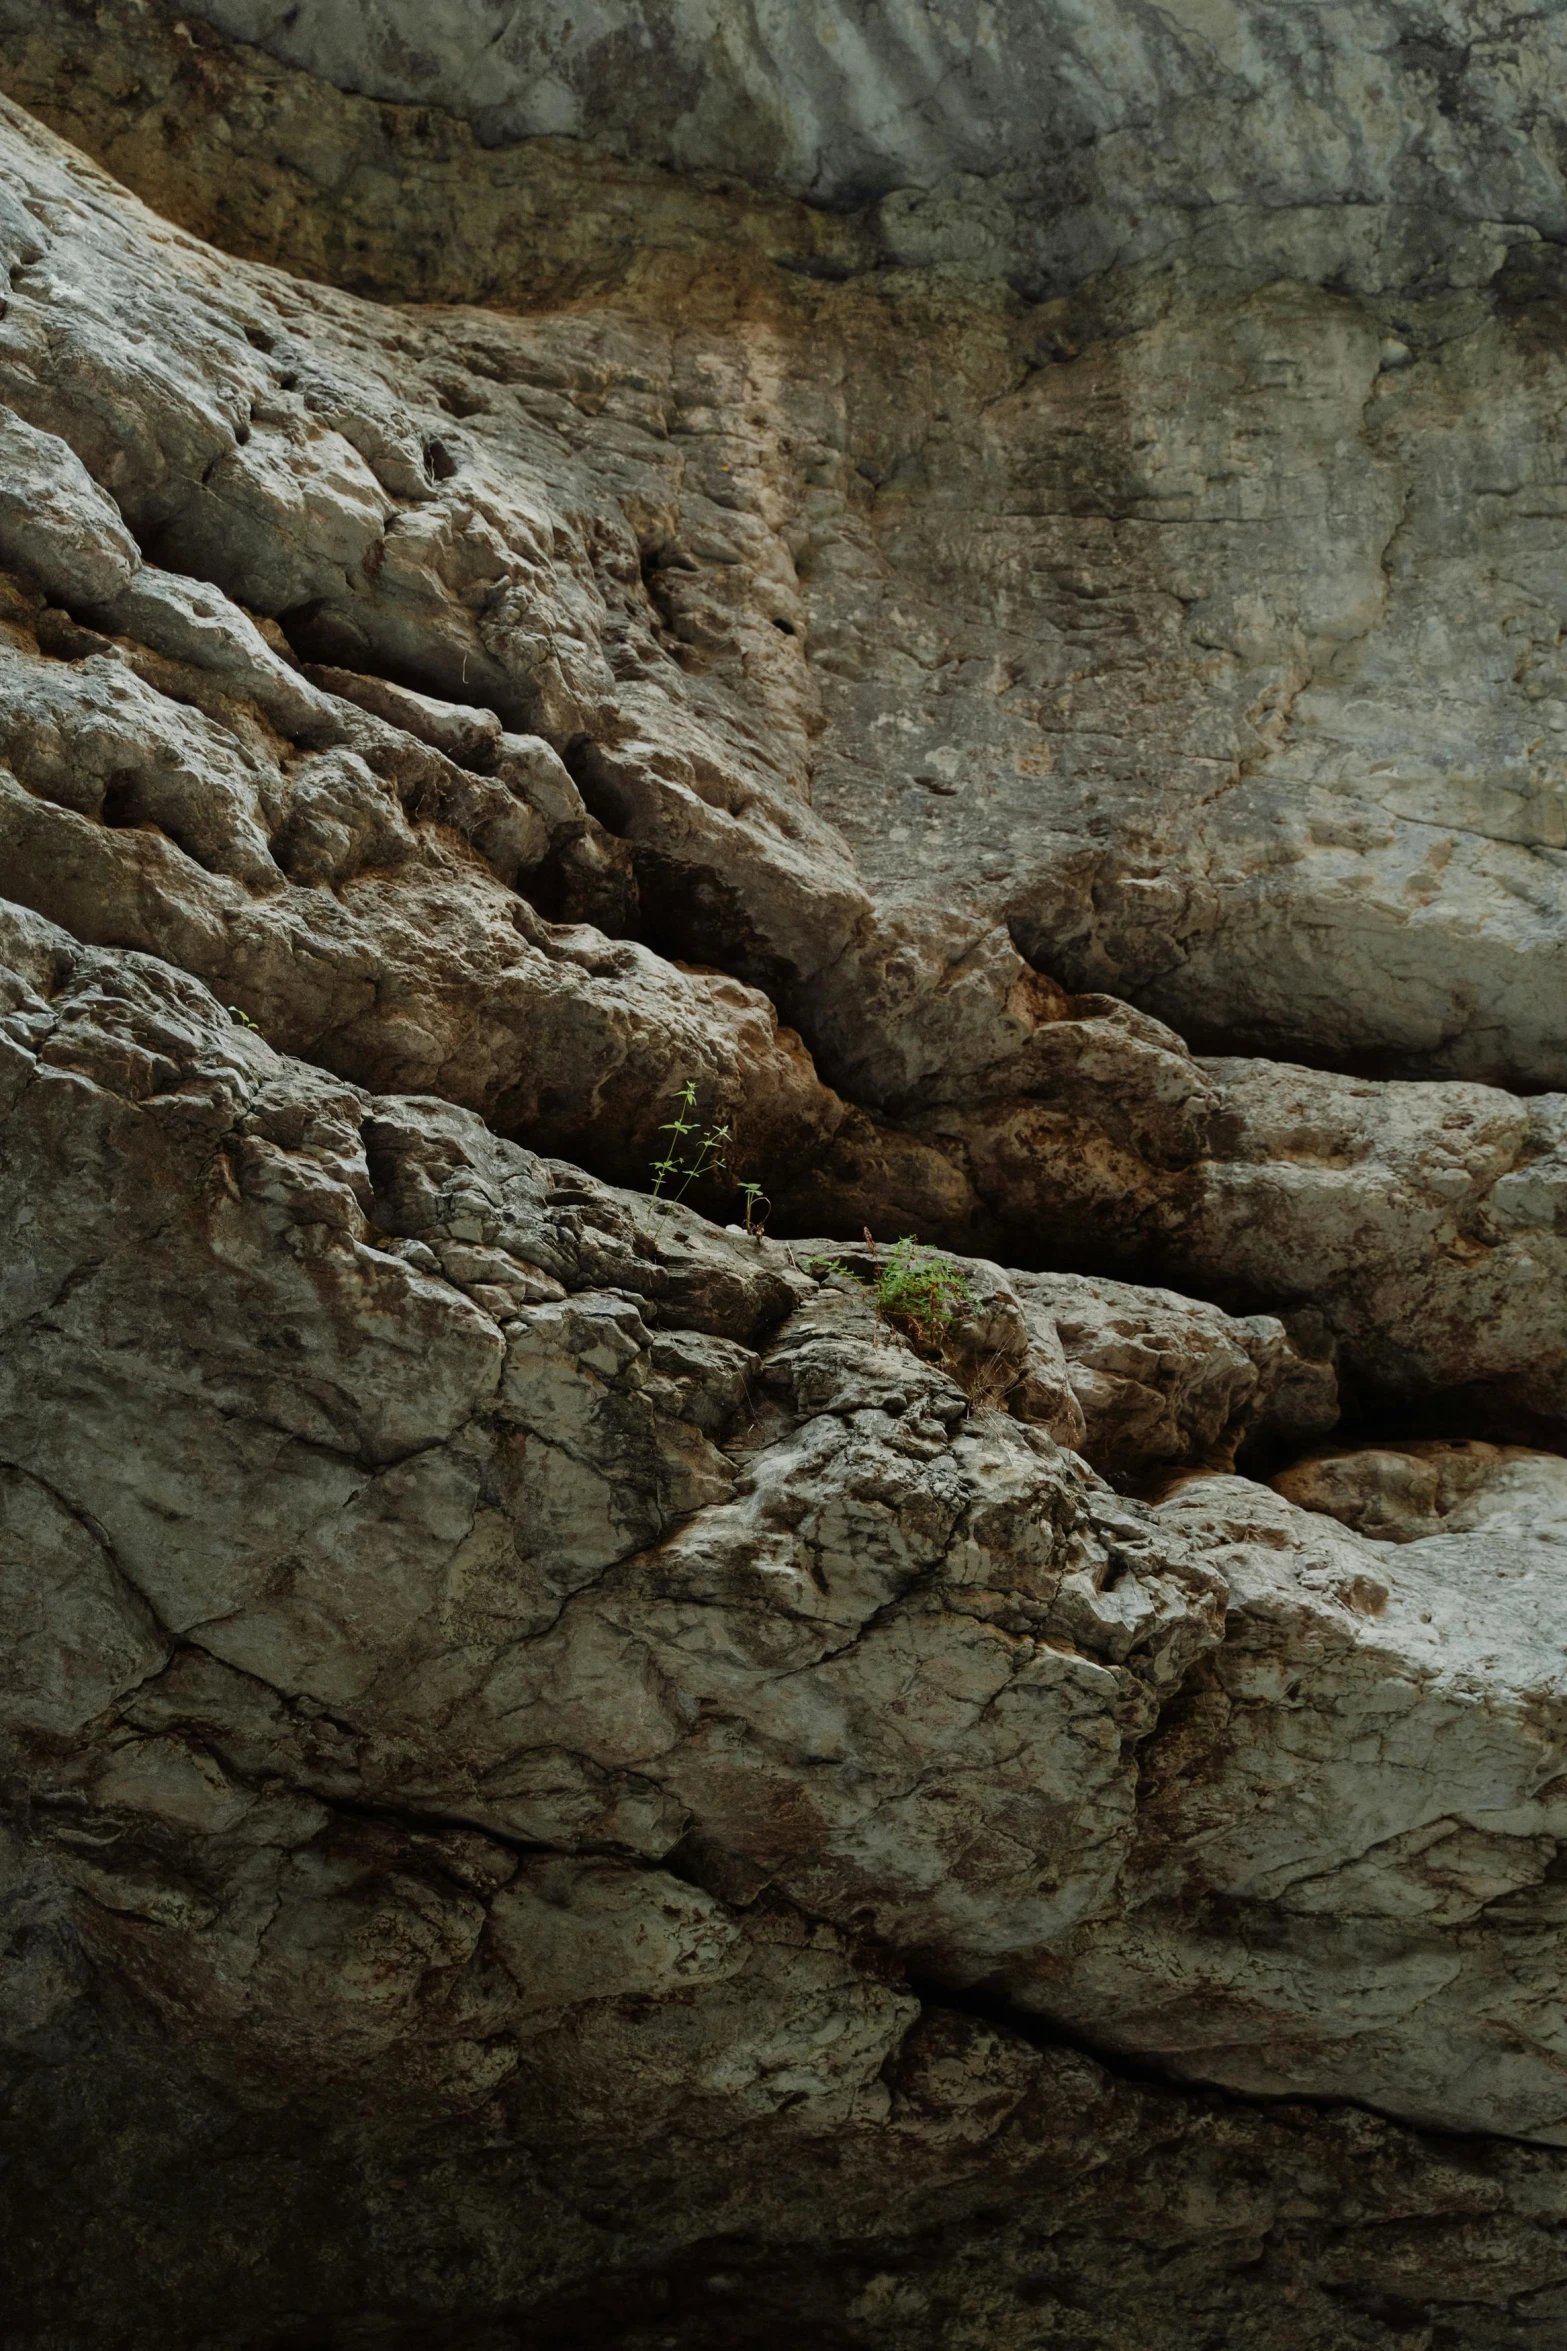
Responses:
[1187,604]
[493,1658]
[677,1801]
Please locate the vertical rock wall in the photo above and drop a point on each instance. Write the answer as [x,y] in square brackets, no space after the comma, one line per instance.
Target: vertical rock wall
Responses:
[982,593]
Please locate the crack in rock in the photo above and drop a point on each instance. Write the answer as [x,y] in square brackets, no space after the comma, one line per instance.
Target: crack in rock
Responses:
[979,595]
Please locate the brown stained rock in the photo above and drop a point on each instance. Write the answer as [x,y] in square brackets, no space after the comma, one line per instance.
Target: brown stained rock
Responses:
[496,1657]
[359,893]
[566,1777]
[1137,618]
[1406,1493]
[1162,1381]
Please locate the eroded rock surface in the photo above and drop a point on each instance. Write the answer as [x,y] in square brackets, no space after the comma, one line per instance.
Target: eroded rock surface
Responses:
[394,910]
[569,1735]
[469,1619]
[1138,609]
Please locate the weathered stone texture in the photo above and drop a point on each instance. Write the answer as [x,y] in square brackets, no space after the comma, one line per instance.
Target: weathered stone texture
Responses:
[472,1622]
[1142,617]
[568,1777]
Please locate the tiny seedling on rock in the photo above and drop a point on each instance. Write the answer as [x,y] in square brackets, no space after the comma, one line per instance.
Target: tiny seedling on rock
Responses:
[693,1150]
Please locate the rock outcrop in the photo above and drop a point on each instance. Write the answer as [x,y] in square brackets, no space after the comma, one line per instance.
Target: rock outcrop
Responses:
[575,1773]
[1134,577]
[492,1657]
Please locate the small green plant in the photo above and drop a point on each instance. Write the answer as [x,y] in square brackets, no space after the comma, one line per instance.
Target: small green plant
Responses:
[915,1289]
[240,1019]
[693,1150]
[921,1292]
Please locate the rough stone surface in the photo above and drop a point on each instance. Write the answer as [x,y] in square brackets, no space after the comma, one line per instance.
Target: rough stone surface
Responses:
[1409,1492]
[471,1621]
[1141,617]
[1105,128]
[1161,1382]
[366,900]
[1350,1835]
[979,588]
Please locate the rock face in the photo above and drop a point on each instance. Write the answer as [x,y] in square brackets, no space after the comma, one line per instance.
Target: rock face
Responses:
[1125,497]
[577,1771]
[491,1658]
[1041,110]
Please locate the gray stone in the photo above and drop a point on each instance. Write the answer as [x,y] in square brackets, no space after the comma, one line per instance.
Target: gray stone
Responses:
[55,522]
[572,1767]
[1107,131]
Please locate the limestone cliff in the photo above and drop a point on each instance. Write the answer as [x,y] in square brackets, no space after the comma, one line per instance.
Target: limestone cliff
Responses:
[982,590]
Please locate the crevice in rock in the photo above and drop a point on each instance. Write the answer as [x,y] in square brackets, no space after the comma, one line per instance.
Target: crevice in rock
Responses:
[1383,1065]
[318,632]
[1370,1416]
[1045,2033]
[723,2294]
[1117,610]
